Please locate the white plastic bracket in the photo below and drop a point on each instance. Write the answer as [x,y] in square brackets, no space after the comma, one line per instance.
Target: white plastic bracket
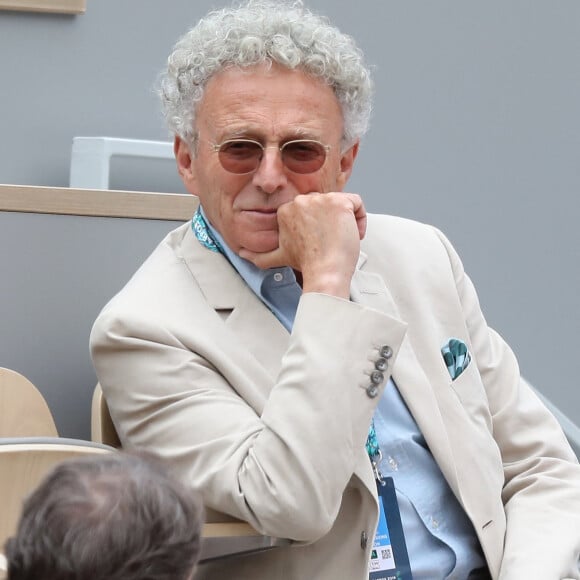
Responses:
[91,158]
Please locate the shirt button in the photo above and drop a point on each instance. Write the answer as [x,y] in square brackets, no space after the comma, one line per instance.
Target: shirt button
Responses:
[434,523]
[278,277]
[381,364]
[386,351]
[393,463]
[363,540]
[372,391]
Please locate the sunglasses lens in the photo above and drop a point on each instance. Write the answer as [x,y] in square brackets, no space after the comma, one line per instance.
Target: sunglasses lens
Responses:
[303,156]
[243,156]
[240,156]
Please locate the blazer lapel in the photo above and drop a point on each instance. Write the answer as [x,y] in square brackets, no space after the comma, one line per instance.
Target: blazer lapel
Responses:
[419,395]
[254,327]
[408,374]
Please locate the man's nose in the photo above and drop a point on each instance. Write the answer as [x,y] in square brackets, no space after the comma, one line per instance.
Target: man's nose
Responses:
[270,176]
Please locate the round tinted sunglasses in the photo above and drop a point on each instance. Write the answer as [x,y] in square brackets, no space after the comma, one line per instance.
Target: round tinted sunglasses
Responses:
[242,156]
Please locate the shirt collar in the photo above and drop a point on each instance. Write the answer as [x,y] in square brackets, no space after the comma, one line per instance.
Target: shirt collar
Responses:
[252,275]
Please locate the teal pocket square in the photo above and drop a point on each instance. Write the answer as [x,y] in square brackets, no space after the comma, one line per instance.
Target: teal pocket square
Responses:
[456,356]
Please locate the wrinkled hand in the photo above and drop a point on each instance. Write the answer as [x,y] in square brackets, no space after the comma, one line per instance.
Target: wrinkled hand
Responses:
[319,236]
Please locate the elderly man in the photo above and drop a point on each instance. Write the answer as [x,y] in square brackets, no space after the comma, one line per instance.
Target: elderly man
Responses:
[115,516]
[324,374]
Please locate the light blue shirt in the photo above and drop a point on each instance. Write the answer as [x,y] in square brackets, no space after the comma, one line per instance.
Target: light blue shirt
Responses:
[441,541]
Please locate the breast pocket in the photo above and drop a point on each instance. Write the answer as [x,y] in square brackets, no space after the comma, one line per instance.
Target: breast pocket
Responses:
[469,389]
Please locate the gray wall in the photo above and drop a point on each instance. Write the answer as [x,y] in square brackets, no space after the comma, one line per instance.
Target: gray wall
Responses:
[476,129]
[57,273]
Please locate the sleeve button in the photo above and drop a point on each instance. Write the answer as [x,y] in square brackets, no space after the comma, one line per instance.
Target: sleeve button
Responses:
[381,364]
[386,352]
[377,377]
[372,391]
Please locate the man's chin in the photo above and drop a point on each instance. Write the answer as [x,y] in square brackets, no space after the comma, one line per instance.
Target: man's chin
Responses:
[262,245]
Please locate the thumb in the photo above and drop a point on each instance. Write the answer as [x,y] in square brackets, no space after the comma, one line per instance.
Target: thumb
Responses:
[265,260]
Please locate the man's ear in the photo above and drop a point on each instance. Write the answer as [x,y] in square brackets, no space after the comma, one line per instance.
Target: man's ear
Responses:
[346,165]
[182,154]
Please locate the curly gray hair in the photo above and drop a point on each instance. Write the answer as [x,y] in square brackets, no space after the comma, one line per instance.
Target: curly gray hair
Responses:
[269,31]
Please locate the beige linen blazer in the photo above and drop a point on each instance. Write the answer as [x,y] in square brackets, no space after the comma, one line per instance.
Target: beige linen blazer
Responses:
[271,426]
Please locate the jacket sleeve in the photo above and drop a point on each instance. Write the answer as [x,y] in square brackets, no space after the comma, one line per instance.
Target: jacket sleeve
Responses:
[541,492]
[281,463]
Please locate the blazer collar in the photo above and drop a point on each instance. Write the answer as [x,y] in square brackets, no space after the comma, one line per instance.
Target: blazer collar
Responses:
[243,312]
[220,283]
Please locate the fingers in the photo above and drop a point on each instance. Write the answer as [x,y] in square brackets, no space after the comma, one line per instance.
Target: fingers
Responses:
[360,213]
[319,235]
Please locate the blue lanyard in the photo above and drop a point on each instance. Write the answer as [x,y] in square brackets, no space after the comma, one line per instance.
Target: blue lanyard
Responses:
[201,232]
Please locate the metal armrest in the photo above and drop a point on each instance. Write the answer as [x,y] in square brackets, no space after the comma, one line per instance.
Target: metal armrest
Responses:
[54,441]
[224,536]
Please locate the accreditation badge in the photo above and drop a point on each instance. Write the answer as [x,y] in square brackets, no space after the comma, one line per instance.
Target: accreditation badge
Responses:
[389,557]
